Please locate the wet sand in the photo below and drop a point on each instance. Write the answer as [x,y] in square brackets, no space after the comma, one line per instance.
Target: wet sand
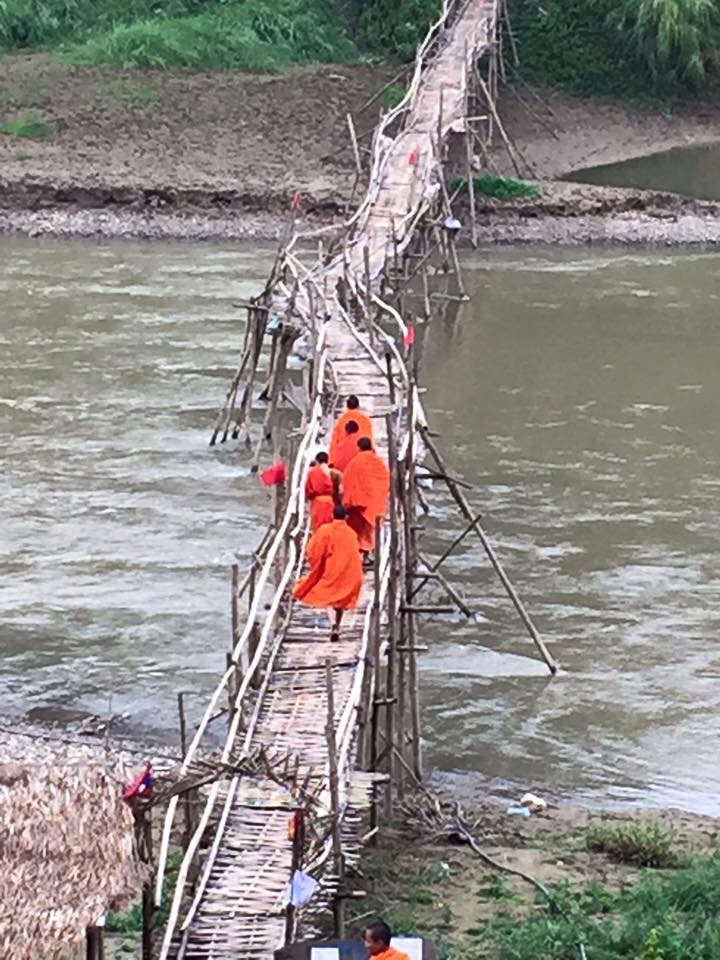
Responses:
[151,154]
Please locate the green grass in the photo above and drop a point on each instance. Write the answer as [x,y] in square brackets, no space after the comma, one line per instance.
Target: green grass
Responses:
[256,35]
[672,916]
[500,188]
[33,128]
[646,843]
[130,921]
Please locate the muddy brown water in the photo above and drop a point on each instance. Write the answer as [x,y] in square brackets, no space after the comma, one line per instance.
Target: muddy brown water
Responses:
[578,392]
[691,171]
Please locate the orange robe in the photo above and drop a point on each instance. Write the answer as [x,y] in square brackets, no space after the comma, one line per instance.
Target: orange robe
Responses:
[335,576]
[391,954]
[338,435]
[320,490]
[345,452]
[366,488]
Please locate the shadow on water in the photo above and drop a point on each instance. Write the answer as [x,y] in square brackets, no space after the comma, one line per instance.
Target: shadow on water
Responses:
[577,392]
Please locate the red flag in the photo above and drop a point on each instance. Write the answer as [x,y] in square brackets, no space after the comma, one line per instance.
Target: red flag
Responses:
[413,157]
[142,786]
[409,338]
[273,475]
[295,202]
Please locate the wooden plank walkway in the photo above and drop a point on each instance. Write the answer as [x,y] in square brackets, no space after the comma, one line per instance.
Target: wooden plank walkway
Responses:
[238,910]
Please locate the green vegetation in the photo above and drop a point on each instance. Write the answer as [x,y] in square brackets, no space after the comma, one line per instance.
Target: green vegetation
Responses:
[500,188]
[130,921]
[618,912]
[663,917]
[627,48]
[34,128]
[646,843]
[393,96]
[257,35]
[396,27]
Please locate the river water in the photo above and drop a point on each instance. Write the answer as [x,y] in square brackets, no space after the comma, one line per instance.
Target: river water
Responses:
[687,170]
[577,392]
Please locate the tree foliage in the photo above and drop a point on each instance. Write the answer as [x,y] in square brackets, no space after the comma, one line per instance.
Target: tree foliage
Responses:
[620,47]
[677,39]
[396,27]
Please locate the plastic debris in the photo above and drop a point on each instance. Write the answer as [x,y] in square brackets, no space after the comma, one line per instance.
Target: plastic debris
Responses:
[534,803]
[519,812]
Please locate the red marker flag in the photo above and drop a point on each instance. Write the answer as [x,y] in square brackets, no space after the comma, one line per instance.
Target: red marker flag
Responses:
[142,786]
[273,475]
[409,338]
[413,157]
[295,202]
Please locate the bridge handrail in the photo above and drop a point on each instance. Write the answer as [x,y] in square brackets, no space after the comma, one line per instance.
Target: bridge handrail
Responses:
[295,506]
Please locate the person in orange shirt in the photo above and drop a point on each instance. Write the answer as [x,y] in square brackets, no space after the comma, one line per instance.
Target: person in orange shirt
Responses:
[321,489]
[377,939]
[335,576]
[353,412]
[366,488]
[347,448]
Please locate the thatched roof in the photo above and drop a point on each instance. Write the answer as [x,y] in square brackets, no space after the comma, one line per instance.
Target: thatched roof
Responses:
[66,852]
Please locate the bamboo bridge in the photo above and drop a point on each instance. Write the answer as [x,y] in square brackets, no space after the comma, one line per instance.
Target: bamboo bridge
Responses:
[340,721]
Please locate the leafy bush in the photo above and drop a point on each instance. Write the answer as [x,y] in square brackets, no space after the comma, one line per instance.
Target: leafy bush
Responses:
[501,188]
[646,843]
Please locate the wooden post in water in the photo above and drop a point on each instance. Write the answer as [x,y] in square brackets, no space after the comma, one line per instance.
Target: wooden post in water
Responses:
[410,570]
[376,686]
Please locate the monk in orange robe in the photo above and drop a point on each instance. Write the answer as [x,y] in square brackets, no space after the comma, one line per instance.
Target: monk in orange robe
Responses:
[335,577]
[321,489]
[377,939]
[353,412]
[347,448]
[366,488]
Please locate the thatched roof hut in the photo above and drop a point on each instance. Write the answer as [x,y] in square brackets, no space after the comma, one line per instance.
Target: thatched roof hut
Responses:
[67,852]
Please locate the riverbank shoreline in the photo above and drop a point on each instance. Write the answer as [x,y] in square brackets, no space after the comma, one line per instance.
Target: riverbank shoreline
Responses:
[473,881]
[154,155]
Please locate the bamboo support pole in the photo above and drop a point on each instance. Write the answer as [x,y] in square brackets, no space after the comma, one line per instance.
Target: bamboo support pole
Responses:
[511,151]
[446,553]
[449,589]
[464,506]
[469,157]
[392,602]
[377,674]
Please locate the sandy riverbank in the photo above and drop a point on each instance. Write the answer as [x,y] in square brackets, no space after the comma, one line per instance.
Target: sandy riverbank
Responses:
[217,157]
